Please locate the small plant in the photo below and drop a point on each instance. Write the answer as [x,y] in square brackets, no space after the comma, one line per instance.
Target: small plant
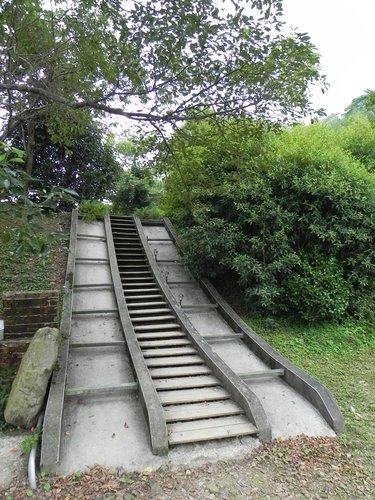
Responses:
[92,210]
[31,440]
[6,377]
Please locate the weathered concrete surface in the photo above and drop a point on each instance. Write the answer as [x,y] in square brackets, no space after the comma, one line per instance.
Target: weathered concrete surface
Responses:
[112,431]
[12,463]
[29,387]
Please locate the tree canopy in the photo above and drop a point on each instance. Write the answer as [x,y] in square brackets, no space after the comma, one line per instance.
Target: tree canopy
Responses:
[290,215]
[149,61]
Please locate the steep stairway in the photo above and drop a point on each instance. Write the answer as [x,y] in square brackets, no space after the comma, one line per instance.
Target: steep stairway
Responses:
[196,405]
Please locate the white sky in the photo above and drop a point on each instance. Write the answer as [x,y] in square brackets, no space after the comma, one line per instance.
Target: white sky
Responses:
[344,33]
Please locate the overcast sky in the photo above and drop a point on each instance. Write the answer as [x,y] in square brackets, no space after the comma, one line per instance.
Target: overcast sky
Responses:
[344,33]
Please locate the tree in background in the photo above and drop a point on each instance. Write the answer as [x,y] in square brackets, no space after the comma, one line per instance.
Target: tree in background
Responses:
[290,214]
[137,188]
[87,164]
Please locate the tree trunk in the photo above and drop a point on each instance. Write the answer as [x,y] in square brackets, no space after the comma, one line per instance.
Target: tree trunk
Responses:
[30,146]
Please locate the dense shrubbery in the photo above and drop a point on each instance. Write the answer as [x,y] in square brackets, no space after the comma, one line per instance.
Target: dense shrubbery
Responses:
[290,213]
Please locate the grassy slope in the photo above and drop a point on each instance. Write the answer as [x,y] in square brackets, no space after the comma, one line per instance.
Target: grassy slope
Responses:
[30,272]
[342,358]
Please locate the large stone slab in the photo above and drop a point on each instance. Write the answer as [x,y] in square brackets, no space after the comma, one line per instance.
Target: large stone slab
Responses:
[30,385]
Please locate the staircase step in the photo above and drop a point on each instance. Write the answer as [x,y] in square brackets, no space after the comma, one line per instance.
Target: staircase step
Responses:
[173,361]
[187,396]
[141,297]
[160,310]
[168,351]
[132,273]
[179,371]
[149,344]
[204,430]
[159,335]
[147,304]
[186,382]
[153,319]
[162,327]
[133,280]
[213,409]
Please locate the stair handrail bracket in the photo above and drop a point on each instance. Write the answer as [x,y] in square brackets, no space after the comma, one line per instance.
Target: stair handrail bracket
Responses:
[148,395]
[306,385]
[52,427]
[240,392]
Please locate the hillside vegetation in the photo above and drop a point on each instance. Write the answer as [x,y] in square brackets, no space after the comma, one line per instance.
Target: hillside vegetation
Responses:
[29,271]
[290,213]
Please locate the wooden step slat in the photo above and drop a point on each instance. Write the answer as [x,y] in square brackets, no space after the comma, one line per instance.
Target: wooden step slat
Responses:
[202,432]
[149,344]
[132,273]
[129,286]
[147,304]
[168,351]
[141,297]
[160,310]
[179,371]
[174,361]
[161,327]
[183,413]
[153,319]
[141,290]
[186,396]
[137,280]
[186,382]
[132,266]
[160,335]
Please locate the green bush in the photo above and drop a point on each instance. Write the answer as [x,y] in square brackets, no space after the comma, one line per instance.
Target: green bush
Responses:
[290,213]
[92,210]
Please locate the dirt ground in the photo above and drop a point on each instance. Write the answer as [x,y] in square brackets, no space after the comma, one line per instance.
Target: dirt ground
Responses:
[299,468]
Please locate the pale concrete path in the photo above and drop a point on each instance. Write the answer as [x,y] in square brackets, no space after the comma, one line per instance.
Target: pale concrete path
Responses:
[288,412]
[110,429]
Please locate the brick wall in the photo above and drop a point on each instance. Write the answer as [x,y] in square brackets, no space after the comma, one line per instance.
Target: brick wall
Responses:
[26,312]
[11,352]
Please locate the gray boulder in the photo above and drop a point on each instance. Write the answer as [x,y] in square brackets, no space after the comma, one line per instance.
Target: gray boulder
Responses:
[29,387]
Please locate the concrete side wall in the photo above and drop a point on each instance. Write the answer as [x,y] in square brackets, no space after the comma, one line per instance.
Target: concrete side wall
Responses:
[26,312]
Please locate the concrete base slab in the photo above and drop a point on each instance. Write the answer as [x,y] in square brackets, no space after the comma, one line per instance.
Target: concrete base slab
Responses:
[95,366]
[13,463]
[93,300]
[94,329]
[177,272]
[91,228]
[156,232]
[192,294]
[209,323]
[165,251]
[92,249]
[238,357]
[288,412]
[86,275]
[112,431]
